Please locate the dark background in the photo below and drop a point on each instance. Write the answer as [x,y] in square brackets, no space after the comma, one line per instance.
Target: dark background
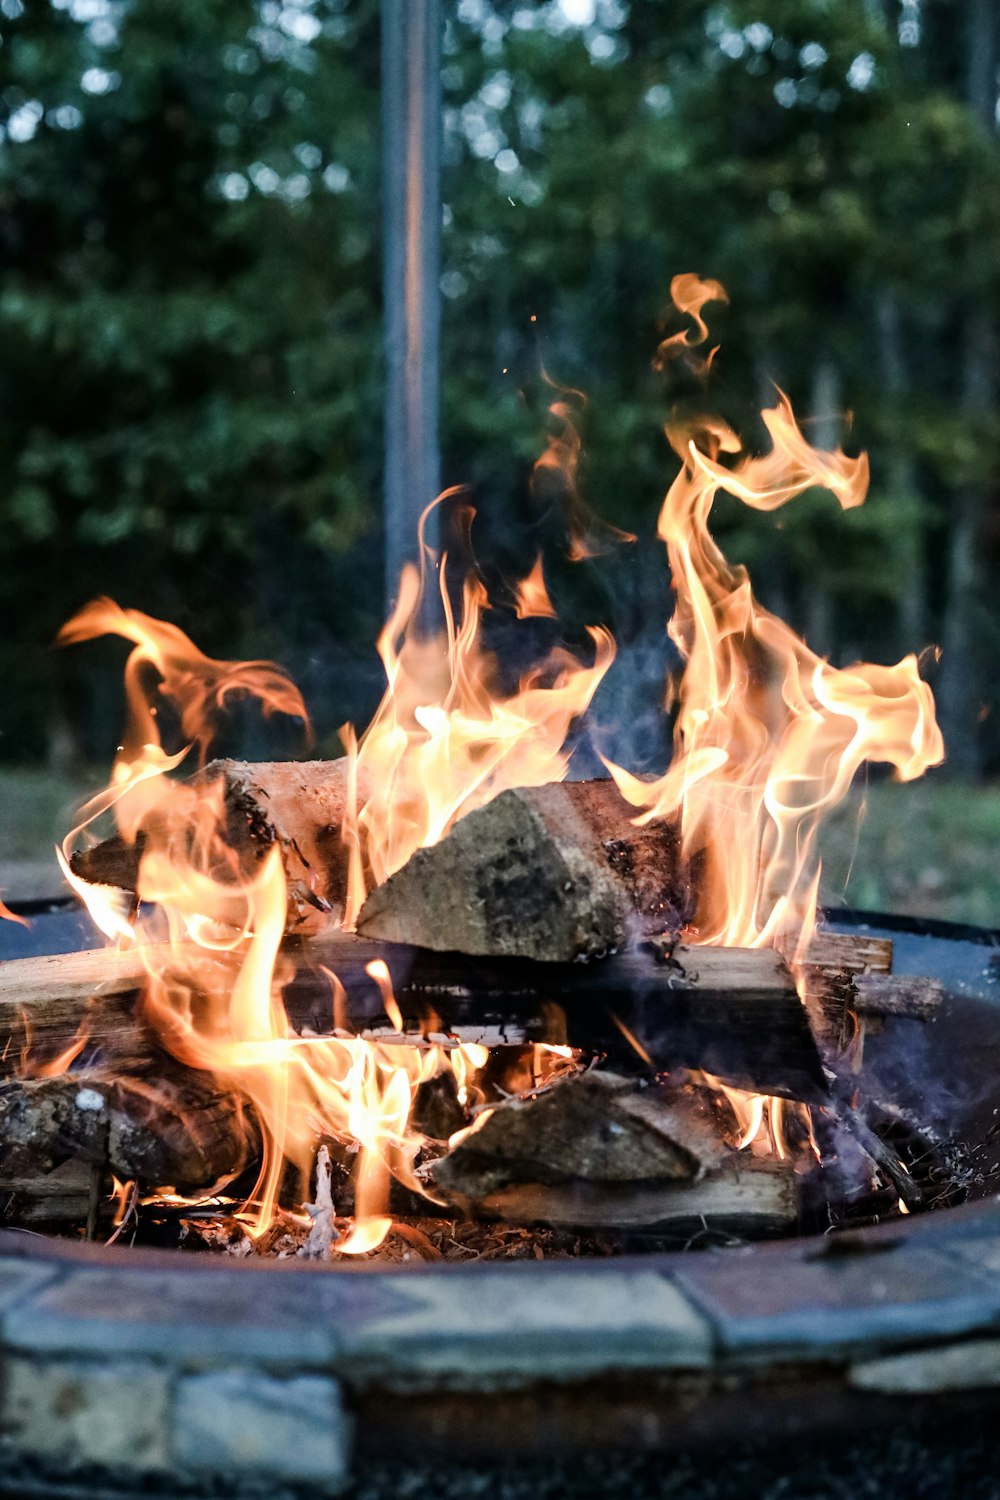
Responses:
[190,360]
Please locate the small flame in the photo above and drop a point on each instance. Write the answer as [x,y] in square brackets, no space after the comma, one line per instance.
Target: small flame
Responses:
[532,597]
[6,915]
[555,481]
[689,294]
[378,970]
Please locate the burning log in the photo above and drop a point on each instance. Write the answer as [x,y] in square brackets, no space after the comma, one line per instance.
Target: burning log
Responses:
[880,995]
[733,1012]
[595,1151]
[556,873]
[179,1128]
[594,1126]
[298,805]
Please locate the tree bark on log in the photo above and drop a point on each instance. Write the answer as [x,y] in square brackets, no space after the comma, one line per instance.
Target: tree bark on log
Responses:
[179,1128]
[553,873]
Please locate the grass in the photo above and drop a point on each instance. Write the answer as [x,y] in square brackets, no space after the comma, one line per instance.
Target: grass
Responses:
[928,848]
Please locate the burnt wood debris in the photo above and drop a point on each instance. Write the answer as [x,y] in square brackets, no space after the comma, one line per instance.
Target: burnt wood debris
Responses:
[547,916]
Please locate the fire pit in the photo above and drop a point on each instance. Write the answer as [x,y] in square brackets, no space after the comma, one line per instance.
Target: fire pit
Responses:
[124,1362]
[437,1007]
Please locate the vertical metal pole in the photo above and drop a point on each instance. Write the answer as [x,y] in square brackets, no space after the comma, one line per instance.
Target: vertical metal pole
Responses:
[411,229]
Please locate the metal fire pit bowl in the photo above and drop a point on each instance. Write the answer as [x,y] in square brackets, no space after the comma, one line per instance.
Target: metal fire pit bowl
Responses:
[866,1362]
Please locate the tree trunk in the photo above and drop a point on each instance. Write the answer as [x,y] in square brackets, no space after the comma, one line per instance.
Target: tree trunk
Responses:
[912,610]
[961,687]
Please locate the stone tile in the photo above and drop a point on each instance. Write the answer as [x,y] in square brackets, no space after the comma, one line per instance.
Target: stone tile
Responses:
[242,1424]
[972,1365]
[186,1316]
[981,1252]
[767,1304]
[20,1278]
[524,1323]
[74,1412]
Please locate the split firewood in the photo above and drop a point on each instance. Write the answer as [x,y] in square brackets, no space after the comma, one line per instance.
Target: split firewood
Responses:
[749,1197]
[832,962]
[732,1012]
[553,873]
[880,995]
[595,1127]
[178,1128]
[298,805]
[596,1151]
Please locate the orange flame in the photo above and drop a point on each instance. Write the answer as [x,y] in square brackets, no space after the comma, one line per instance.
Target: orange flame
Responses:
[446,739]
[690,294]
[555,481]
[198,686]
[6,915]
[768,735]
[532,597]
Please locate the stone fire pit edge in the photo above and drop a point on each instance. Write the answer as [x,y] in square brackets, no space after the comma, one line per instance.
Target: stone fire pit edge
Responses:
[126,1365]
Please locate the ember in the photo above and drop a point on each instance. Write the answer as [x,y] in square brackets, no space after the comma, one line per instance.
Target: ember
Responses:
[349,995]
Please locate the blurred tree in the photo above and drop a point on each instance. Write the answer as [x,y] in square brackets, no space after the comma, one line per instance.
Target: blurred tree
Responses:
[187,407]
[826,163]
[189,390]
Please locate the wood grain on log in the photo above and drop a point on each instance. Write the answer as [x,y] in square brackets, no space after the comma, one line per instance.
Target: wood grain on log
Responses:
[552,873]
[298,805]
[831,963]
[748,1197]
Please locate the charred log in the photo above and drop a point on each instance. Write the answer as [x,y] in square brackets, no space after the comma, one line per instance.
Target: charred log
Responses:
[730,1011]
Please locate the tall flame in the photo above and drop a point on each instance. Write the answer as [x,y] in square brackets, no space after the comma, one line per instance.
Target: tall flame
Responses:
[767,738]
[768,735]
[446,737]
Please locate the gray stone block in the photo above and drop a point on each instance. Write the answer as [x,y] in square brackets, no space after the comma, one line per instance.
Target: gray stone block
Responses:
[971,1365]
[188,1316]
[20,1278]
[826,1304]
[476,1329]
[242,1424]
[73,1412]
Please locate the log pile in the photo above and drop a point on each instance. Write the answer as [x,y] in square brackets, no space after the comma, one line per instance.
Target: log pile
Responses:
[483,937]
